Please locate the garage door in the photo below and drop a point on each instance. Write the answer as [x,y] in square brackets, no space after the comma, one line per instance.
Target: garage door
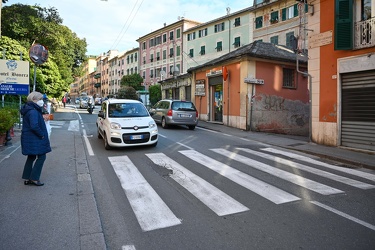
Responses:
[358,110]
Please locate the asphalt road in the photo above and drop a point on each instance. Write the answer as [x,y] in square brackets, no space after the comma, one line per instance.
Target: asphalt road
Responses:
[206,190]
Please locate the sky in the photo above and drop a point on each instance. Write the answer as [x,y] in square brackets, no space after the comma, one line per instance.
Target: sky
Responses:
[117,24]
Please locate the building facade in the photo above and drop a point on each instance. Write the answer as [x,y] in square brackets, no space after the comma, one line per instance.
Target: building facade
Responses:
[160,53]
[342,66]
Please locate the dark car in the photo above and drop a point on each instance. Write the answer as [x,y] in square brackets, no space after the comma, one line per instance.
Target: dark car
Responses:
[175,112]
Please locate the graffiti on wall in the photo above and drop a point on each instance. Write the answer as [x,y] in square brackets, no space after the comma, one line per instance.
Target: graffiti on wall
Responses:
[274,103]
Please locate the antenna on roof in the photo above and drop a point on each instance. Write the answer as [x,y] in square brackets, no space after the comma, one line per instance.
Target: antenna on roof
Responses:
[228,10]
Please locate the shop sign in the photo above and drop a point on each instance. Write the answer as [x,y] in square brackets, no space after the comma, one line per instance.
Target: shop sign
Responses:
[200,89]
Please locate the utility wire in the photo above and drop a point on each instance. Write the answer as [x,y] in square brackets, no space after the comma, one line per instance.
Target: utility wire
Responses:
[122,32]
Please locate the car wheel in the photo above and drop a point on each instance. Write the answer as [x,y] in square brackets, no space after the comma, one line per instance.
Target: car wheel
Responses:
[99,135]
[106,145]
[164,123]
[191,127]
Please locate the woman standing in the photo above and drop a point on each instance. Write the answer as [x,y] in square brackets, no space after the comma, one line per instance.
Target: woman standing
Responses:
[34,138]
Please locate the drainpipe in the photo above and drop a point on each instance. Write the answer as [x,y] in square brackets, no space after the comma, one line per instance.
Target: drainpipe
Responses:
[310,96]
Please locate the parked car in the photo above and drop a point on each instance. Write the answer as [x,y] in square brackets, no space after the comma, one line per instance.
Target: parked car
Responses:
[123,123]
[175,112]
[83,102]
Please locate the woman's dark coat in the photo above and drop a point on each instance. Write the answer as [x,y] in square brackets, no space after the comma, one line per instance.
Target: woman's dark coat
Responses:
[34,137]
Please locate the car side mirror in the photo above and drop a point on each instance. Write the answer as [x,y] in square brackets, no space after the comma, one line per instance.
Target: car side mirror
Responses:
[101,114]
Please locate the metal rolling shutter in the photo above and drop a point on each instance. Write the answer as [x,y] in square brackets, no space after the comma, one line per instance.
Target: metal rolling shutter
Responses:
[358,110]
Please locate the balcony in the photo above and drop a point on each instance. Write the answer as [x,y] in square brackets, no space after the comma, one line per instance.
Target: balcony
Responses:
[97,75]
[364,34]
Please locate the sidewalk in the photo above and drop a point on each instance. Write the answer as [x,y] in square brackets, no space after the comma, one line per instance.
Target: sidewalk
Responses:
[60,215]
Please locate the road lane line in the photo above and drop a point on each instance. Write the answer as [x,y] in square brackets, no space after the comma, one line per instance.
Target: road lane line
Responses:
[316,171]
[293,178]
[355,172]
[150,210]
[74,125]
[259,187]
[349,217]
[88,145]
[212,197]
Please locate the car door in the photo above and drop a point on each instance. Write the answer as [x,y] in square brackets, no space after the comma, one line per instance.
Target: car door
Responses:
[154,112]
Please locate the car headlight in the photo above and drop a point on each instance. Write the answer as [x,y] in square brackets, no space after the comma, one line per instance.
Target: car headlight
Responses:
[115,125]
[151,124]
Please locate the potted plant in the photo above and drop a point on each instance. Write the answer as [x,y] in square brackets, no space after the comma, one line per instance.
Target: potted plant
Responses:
[8,116]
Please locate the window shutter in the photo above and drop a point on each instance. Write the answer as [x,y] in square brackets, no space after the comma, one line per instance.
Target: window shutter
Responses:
[343,24]
[296,10]
[283,14]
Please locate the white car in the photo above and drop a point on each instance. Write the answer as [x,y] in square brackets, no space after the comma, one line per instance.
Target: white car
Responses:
[124,123]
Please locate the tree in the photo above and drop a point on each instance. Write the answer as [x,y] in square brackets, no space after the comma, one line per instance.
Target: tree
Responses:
[133,80]
[28,24]
[127,93]
[155,93]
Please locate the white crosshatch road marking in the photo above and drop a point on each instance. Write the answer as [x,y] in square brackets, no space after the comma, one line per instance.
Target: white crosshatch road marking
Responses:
[259,187]
[293,178]
[212,197]
[56,124]
[150,210]
[355,172]
[316,171]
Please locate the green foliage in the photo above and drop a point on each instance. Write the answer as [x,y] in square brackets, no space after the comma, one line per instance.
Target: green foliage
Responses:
[28,24]
[155,93]
[127,93]
[8,116]
[133,80]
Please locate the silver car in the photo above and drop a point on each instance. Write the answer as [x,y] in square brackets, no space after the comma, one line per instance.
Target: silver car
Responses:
[175,112]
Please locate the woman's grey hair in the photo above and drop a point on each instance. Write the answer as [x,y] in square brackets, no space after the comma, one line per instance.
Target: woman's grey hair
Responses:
[34,96]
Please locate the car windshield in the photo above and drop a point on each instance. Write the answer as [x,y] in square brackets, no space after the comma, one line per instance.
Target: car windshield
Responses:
[127,110]
[183,106]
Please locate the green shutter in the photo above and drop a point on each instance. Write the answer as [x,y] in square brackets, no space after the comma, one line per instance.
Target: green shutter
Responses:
[343,24]
[283,14]
[295,10]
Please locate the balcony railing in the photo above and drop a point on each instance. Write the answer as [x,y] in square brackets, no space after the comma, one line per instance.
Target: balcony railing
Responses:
[364,34]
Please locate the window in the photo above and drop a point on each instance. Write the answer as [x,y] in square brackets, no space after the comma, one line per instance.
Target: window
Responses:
[151,57]
[170,52]
[157,56]
[219,27]
[288,78]
[191,36]
[191,53]
[164,54]
[274,39]
[127,59]
[202,33]
[144,60]
[171,35]
[178,33]
[274,17]
[259,22]
[144,74]
[178,51]
[290,12]
[135,69]
[289,39]
[152,73]
[135,57]
[237,22]
[343,25]
[237,42]
[203,50]
[151,43]
[144,45]
[219,46]
[164,38]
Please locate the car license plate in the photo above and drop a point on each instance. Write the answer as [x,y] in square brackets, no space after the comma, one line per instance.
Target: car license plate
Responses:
[136,137]
[184,115]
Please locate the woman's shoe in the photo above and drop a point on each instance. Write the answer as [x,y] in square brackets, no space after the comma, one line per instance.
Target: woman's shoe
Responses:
[27,182]
[36,183]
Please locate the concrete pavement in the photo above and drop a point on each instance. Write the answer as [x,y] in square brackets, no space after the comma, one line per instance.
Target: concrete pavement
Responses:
[63,213]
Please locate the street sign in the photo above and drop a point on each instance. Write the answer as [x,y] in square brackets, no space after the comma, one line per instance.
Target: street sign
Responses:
[253,80]
[14,77]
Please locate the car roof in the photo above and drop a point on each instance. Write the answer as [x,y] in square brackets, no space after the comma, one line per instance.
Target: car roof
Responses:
[114,101]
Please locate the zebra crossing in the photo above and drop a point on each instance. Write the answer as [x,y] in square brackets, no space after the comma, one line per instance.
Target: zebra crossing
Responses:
[153,213]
